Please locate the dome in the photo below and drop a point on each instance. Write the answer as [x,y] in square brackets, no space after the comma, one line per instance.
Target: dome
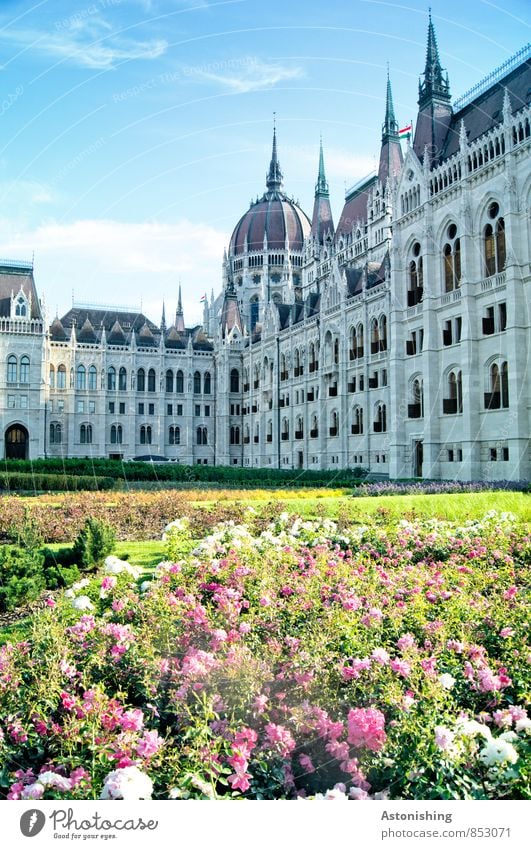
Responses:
[274,217]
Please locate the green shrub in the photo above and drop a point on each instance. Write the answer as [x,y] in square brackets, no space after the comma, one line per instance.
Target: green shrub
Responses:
[95,541]
[21,576]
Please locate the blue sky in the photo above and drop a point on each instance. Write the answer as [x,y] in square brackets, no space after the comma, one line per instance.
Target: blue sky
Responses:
[135,132]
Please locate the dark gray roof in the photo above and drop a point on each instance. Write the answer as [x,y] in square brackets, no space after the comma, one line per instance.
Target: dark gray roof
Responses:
[12,278]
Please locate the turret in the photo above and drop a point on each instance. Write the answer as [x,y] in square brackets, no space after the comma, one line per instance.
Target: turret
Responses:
[179,315]
[322,220]
[391,151]
[435,108]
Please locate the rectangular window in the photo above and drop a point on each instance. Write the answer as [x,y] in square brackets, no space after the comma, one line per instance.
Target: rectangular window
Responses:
[450,455]
[11,401]
[141,409]
[447,332]
[421,339]
[488,322]
[51,407]
[460,455]
[179,409]
[121,408]
[493,454]
[197,409]
[458,328]
[502,316]
[24,402]
[60,405]
[92,407]
[384,377]
[111,407]
[151,409]
[80,406]
[169,410]
[207,409]
[232,409]
[505,453]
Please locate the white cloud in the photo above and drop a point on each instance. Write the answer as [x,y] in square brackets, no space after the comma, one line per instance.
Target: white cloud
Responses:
[339,164]
[78,43]
[244,75]
[113,262]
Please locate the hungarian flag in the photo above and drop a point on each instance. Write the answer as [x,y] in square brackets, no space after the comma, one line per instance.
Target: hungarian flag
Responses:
[405,131]
[203,299]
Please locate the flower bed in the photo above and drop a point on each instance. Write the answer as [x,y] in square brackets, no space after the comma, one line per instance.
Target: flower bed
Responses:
[295,660]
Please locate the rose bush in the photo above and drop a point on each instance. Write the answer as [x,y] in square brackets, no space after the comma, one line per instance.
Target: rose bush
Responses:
[300,659]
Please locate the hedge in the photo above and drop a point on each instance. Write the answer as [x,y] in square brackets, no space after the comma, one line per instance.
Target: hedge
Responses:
[26,482]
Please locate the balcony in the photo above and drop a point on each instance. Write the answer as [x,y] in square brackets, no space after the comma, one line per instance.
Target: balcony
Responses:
[414,411]
[314,433]
[449,406]
[332,392]
[356,429]
[492,400]
[299,434]
[333,431]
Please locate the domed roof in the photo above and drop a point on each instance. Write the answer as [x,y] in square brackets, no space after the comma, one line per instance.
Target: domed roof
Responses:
[275,217]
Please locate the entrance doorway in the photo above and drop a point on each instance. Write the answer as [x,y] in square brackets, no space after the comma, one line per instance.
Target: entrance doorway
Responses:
[16,443]
[417,459]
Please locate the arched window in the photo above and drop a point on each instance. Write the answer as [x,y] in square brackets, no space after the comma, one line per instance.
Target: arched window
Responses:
[85,434]
[416,277]
[359,335]
[234,435]
[141,380]
[169,383]
[498,395]
[61,377]
[329,348]
[284,433]
[92,378]
[52,377]
[197,384]
[175,435]
[24,369]
[299,429]
[254,305]
[334,423]
[353,344]
[454,402]
[452,259]
[257,433]
[314,430]
[179,382]
[246,435]
[202,436]
[145,435]
[81,378]
[357,421]
[12,369]
[382,332]
[283,367]
[494,241]
[56,433]
[207,383]
[375,337]
[111,379]
[122,379]
[234,380]
[21,307]
[336,351]
[416,406]
[380,418]
[151,380]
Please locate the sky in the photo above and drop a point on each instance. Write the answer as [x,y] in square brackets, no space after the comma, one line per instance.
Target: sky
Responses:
[134,133]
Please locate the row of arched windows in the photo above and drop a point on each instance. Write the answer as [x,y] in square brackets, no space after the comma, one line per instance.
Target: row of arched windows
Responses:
[18,371]
[116,379]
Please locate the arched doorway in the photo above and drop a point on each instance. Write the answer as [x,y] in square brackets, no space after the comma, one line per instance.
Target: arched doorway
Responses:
[16,443]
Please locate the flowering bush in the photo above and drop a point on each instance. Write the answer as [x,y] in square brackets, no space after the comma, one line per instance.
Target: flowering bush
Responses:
[300,659]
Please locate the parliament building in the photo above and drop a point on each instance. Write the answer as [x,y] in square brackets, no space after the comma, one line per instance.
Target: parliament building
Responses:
[397,339]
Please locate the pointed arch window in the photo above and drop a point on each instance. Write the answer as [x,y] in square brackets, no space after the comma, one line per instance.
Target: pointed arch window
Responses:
[357,421]
[12,369]
[122,379]
[141,380]
[452,259]
[81,378]
[207,383]
[151,380]
[111,379]
[494,241]
[169,382]
[56,433]
[175,435]
[21,307]
[179,382]
[52,377]
[145,435]
[380,418]
[454,402]
[61,377]
[234,380]
[202,436]
[197,384]
[85,434]
[92,378]
[416,277]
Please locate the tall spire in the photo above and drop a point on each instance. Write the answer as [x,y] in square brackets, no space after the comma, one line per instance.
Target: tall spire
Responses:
[322,221]
[179,315]
[435,85]
[390,124]
[391,151]
[321,187]
[275,176]
[163,318]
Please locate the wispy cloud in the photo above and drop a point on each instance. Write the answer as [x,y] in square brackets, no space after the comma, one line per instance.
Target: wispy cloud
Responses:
[245,74]
[139,261]
[339,164]
[87,43]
